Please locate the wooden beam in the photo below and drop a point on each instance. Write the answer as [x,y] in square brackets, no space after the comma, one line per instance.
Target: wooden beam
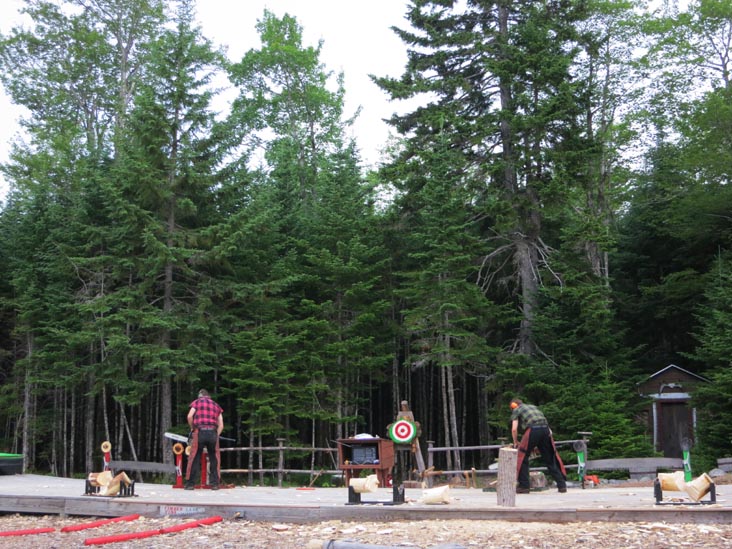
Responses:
[148,466]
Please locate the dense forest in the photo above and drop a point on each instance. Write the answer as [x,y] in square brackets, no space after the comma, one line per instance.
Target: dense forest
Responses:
[552,221]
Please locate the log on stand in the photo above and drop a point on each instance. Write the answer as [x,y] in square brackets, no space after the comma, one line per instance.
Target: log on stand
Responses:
[506,488]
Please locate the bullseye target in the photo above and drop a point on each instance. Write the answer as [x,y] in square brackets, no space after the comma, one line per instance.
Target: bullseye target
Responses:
[402,431]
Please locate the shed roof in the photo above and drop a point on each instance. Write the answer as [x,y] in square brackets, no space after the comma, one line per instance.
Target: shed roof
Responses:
[674,367]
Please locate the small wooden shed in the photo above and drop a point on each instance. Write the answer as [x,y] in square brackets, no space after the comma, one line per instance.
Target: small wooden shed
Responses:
[671,418]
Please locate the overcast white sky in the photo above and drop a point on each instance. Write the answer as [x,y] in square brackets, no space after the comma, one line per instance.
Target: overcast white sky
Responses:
[356,38]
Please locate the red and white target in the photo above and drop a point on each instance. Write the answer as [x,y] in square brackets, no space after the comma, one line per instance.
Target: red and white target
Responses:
[402,431]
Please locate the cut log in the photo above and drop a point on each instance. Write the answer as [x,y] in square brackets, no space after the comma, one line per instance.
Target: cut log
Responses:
[506,490]
[114,485]
[441,494]
[364,485]
[100,479]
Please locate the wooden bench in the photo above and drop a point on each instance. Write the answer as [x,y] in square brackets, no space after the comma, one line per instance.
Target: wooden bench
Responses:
[725,464]
[637,467]
[141,466]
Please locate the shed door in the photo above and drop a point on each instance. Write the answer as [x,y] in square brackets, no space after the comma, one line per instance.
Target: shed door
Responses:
[675,427]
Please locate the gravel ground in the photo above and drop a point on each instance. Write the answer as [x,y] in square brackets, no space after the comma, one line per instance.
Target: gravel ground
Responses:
[415,534]
[452,534]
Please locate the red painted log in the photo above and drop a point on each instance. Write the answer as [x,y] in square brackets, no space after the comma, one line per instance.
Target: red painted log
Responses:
[138,535]
[121,537]
[27,532]
[97,523]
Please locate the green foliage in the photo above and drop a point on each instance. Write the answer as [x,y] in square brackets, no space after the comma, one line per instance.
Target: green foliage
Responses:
[524,251]
[712,400]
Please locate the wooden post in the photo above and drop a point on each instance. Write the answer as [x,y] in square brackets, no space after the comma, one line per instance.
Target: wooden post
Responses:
[506,488]
[280,461]
[430,463]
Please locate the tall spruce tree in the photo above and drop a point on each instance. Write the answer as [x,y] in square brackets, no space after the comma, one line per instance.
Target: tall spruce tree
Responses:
[166,166]
[323,276]
[499,89]
[712,400]
[62,69]
[499,75]
[445,315]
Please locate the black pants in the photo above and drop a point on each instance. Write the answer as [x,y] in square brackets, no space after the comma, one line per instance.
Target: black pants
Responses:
[541,438]
[208,439]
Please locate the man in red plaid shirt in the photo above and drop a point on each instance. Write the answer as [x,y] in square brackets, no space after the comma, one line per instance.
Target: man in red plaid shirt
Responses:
[206,421]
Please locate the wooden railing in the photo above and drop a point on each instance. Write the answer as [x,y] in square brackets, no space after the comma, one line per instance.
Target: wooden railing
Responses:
[432,450]
[281,471]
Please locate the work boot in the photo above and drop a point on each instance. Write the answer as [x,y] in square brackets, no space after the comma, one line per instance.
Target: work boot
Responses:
[562,489]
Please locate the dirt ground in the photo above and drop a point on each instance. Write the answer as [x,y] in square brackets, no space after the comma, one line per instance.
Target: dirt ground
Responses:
[452,534]
[409,534]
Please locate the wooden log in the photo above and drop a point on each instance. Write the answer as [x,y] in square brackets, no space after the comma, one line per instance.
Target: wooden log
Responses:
[100,479]
[506,489]
[114,485]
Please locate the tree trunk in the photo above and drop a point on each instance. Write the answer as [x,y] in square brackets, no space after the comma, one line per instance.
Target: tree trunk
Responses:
[445,415]
[89,426]
[450,390]
[70,440]
[28,408]
[527,267]
[166,415]
[105,413]
[526,214]
[57,430]
[166,404]
[453,416]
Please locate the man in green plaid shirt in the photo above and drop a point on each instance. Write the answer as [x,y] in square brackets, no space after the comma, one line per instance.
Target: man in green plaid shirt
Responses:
[536,435]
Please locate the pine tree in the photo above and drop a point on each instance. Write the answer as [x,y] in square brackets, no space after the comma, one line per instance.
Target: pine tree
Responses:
[325,261]
[166,166]
[712,400]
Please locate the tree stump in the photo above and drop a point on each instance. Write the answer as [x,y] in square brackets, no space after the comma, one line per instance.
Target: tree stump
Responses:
[506,487]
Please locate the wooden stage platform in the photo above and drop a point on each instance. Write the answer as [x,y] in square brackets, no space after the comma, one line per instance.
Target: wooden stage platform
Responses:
[36,494]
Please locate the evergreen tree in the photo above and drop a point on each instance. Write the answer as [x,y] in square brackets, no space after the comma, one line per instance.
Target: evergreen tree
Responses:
[712,400]
[445,315]
[500,93]
[166,166]
[324,265]
[62,70]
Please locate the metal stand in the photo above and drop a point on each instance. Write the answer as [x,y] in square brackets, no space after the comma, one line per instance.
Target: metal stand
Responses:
[397,498]
[658,493]
[397,491]
[124,490]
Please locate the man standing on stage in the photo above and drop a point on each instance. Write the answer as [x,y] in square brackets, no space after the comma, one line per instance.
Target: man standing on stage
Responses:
[536,435]
[206,421]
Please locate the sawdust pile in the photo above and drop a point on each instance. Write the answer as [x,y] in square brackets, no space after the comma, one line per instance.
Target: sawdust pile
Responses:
[409,534]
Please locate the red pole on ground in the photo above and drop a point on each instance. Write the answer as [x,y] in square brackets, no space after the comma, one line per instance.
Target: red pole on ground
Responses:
[149,533]
[97,523]
[194,524]
[27,532]
[121,537]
